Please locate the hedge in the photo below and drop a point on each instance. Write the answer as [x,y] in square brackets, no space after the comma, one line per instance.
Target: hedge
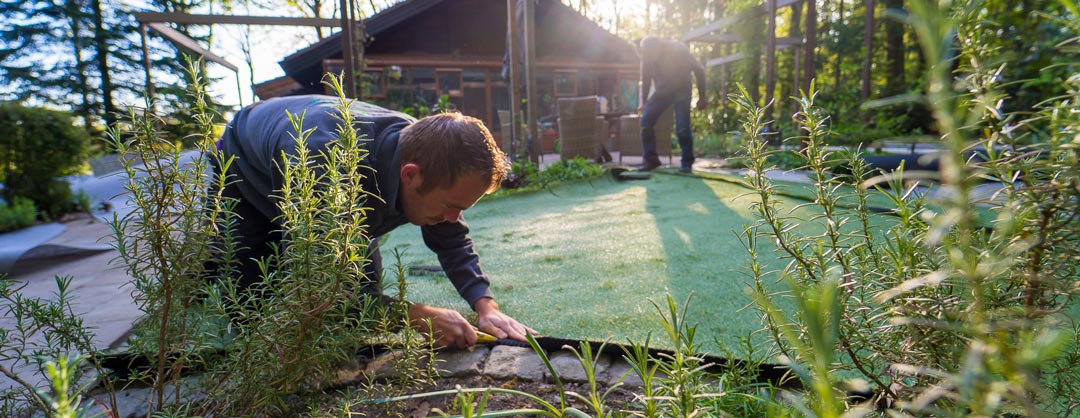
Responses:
[37,147]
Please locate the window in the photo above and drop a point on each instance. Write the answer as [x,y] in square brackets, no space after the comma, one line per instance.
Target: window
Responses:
[449,81]
[566,83]
[374,82]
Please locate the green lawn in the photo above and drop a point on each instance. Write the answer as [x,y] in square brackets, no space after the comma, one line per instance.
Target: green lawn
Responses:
[584,260]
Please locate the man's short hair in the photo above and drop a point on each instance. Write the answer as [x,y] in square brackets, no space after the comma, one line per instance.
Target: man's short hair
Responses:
[648,42]
[449,146]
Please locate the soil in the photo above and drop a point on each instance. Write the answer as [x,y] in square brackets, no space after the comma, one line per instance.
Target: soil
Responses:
[619,399]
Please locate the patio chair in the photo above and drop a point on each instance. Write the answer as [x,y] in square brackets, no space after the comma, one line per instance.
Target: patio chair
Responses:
[630,135]
[578,128]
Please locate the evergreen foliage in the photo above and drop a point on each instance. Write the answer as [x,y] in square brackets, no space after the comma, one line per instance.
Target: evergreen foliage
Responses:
[40,145]
[84,55]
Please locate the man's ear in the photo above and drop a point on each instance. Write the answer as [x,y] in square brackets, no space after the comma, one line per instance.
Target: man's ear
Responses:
[410,174]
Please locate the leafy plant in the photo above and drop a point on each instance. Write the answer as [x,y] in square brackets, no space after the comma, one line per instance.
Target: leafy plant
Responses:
[444,105]
[940,313]
[42,330]
[40,145]
[17,214]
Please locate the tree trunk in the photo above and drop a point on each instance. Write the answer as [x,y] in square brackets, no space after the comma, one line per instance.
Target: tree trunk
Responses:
[810,48]
[894,50]
[868,44]
[74,12]
[101,47]
[839,56]
[791,89]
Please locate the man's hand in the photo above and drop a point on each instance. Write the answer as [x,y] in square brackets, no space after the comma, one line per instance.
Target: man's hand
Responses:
[494,322]
[702,103]
[448,327]
[640,109]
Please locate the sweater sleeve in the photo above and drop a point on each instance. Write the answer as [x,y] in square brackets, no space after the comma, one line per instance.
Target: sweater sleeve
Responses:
[451,243]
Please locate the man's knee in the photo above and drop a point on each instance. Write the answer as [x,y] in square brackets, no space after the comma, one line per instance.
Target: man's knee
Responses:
[684,132]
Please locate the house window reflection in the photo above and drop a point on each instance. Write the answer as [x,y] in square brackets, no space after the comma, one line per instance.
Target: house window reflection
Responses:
[566,83]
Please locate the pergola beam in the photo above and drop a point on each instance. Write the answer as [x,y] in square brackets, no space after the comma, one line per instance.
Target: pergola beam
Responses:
[189,44]
[731,38]
[727,59]
[157,22]
[694,34]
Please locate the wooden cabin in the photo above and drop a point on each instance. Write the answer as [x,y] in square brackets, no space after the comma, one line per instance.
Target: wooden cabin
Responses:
[419,50]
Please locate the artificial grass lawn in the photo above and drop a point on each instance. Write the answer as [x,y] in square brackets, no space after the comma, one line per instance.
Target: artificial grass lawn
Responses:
[584,260]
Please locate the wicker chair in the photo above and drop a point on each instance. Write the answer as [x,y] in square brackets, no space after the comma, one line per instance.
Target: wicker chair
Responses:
[630,135]
[578,128]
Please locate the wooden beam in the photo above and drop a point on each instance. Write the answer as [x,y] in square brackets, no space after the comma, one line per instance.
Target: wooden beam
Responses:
[536,145]
[753,12]
[347,49]
[727,59]
[189,44]
[190,19]
[720,38]
[788,41]
[732,38]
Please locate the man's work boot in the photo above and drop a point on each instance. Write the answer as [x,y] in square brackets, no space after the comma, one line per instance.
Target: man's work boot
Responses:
[686,169]
[649,165]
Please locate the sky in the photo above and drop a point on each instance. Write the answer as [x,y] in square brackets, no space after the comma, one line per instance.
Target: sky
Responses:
[272,44]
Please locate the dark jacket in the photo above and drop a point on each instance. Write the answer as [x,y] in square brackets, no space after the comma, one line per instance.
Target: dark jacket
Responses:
[669,65]
[260,133]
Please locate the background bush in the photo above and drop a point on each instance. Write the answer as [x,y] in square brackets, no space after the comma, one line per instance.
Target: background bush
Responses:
[39,145]
[17,214]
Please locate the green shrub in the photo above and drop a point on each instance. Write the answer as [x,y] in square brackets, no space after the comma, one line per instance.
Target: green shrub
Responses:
[39,146]
[525,175]
[939,312]
[566,170]
[717,145]
[18,214]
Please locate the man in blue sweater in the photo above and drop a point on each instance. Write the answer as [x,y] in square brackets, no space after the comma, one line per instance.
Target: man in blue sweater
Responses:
[668,65]
[425,172]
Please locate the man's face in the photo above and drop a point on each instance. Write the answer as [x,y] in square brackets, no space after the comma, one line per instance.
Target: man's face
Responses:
[439,204]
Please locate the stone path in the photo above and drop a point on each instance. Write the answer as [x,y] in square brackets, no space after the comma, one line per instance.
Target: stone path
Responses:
[101,292]
[506,362]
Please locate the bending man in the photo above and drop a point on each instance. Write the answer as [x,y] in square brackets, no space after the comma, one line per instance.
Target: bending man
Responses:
[425,172]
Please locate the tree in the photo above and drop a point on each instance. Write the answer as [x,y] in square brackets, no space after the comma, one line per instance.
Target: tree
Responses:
[894,48]
[80,55]
[34,43]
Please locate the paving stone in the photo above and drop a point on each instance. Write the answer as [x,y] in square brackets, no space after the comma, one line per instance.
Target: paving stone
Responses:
[463,363]
[350,372]
[134,402]
[508,362]
[383,366]
[570,369]
[617,370]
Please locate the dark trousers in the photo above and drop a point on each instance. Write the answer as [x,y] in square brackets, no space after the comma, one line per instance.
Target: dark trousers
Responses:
[259,237]
[654,107]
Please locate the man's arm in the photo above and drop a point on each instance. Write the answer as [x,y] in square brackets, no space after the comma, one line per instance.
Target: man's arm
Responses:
[699,77]
[495,322]
[450,241]
[646,81]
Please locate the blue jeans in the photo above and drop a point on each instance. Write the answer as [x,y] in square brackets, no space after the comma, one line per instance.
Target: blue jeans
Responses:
[654,107]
